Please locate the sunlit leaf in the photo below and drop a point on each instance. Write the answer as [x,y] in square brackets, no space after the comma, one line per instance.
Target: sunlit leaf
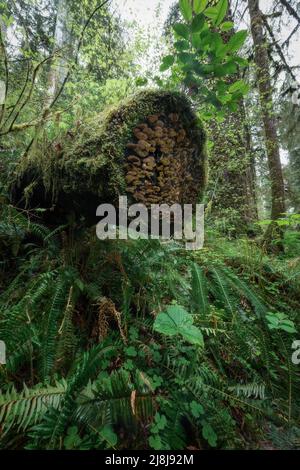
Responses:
[237,40]
[199,5]
[227,26]
[217,13]
[186,9]
[177,321]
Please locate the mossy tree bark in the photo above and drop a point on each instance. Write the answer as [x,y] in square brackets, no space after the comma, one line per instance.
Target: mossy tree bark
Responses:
[267,109]
[273,234]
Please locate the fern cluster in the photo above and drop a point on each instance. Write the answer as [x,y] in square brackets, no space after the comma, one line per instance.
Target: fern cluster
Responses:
[67,386]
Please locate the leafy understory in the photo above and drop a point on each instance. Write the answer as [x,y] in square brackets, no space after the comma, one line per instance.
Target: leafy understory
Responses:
[184,349]
[141,344]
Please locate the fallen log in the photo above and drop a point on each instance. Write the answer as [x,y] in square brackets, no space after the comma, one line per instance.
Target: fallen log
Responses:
[151,148]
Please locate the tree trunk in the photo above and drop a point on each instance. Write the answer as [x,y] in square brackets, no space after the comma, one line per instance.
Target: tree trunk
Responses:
[266,100]
[62,42]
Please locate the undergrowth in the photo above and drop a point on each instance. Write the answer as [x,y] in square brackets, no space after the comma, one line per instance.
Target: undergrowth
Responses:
[86,370]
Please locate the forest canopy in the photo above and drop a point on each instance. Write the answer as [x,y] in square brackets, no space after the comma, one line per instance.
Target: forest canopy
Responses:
[138,343]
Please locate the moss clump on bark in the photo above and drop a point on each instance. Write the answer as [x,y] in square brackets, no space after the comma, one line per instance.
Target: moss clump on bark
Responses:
[90,166]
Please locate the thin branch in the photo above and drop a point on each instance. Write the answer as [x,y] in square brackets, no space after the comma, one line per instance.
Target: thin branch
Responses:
[46,111]
[26,125]
[287,41]
[14,107]
[34,75]
[19,127]
[290,9]
[278,48]
[4,55]
[77,51]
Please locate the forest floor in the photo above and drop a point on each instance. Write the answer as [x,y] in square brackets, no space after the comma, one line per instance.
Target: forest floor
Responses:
[151,344]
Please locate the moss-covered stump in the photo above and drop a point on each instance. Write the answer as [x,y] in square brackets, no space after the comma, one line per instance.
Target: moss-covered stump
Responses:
[151,147]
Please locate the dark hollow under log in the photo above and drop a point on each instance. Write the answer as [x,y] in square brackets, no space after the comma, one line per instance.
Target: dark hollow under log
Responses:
[151,148]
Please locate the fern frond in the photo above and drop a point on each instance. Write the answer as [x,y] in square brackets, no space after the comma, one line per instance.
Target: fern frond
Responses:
[67,339]
[25,408]
[244,290]
[115,400]
[50,329]
[199,290]
[249,390]
[223,292]
[85,371]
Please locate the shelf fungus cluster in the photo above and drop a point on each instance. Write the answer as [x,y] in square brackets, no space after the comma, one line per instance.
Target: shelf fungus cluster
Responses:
[151,148]
[160,162]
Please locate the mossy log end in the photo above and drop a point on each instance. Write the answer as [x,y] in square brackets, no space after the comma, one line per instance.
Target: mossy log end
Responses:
[151,147]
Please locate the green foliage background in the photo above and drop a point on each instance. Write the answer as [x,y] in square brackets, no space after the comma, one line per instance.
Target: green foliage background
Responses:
[138,344]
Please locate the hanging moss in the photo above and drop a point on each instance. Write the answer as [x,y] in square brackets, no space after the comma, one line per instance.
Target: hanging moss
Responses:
[90,165]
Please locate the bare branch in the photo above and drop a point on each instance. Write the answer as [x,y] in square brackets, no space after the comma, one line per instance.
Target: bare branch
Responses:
[34,75]
[287,41]
[47,110]
[14,107]
[77,51]
[278,48]
[290,9]
[4,55]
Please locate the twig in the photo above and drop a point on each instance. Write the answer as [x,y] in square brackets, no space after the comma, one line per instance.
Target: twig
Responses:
[287,41]
[290,9]
[77,51]
[278,48]
[46,111]
[34,75]
[20,96]
[4,55]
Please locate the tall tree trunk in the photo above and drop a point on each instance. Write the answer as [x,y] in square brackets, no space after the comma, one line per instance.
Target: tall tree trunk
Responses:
[61,40]
[266,101]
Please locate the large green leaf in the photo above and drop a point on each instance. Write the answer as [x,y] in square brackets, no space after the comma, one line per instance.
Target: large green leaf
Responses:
[209,434]
[280,321]
[177,321]
[239,87]
[197,23]
[217,13]
[167,62]
[236,41]
[181,30]
[227,26]
[199,5]
[186,9]
[196,41]
[109,435]
[181,45]
[225,69]
[185,57]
